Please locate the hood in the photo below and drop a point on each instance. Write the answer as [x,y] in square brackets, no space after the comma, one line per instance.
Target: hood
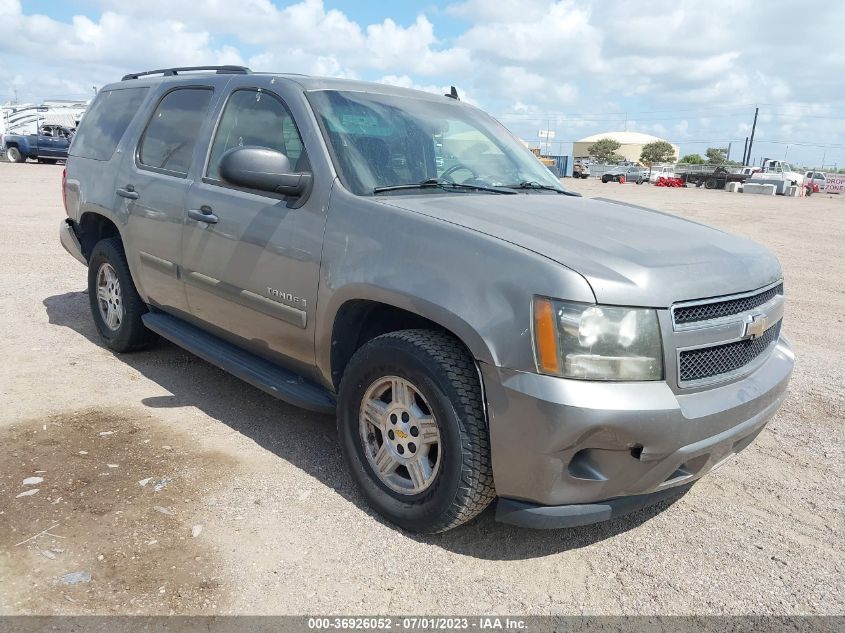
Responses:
[629,255]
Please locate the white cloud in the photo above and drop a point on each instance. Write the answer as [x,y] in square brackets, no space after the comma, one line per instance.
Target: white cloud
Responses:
[567,61]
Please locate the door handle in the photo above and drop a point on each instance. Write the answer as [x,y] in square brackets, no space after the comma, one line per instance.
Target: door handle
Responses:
[128,192]
[203,214]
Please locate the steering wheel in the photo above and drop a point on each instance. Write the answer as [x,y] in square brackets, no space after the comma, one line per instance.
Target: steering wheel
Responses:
[447,174]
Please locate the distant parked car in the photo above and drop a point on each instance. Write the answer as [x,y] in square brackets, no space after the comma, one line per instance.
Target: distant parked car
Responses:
[581,170]
[631,173]
[816,178]
[657,172]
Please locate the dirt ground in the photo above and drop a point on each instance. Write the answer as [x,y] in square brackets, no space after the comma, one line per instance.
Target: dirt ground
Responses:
[176,488]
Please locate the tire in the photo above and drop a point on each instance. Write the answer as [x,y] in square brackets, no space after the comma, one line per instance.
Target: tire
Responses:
[13,155]
[605,179]
[445,389]
[127,332]
[639,181]
[710,183]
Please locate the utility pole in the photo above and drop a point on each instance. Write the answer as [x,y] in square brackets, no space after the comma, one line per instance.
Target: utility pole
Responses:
[728,157]
[753,128]
[745,152]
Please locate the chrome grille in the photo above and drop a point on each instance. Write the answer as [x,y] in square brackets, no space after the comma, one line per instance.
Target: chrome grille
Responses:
[721,309]
[706,362]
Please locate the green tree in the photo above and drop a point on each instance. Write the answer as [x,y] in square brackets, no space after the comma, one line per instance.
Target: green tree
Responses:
[604,151]
[692,159]
[715,156]
[657,152]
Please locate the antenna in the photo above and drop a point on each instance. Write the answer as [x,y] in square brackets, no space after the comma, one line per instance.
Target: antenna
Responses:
[453,94]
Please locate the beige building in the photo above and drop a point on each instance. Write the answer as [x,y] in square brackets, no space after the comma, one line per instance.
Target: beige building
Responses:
[632,144]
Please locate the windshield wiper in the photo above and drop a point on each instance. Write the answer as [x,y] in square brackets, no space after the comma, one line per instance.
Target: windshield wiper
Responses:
[532,184]
[442,184]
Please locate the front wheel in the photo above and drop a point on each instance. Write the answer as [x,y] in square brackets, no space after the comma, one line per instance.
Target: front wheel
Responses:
[115,304]
[412,430]
[605,179]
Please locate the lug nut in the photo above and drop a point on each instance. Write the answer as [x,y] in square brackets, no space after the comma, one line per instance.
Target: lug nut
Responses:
[412,447]
[393,418]
[390,434]
[415,431]
[401,449]
[405,417]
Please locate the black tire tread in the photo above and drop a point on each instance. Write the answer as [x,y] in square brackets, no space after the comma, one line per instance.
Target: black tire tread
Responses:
[137,336]
[477,489]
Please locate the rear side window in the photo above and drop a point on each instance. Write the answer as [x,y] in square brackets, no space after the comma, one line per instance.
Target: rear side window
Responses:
[258,119]
[168,142]
[104,123]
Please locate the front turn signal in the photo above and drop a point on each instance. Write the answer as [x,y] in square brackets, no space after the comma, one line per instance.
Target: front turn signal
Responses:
[545,336]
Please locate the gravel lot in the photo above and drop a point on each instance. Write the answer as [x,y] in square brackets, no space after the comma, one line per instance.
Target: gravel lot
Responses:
[254,512]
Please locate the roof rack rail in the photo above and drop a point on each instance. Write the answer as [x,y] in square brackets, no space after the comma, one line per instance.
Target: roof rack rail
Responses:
[170,72]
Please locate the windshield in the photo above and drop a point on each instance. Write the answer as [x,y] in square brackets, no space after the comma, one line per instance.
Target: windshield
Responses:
[384,140]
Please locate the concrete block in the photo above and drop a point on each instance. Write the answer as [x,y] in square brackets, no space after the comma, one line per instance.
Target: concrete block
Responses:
[733,187]
[762,190]
[779,184]
[793,191]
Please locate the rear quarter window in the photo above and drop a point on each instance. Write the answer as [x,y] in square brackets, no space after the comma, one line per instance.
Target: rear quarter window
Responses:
[168,142]
[105,122]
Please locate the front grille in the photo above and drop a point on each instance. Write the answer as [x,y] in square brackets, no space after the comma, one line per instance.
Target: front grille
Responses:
[706,362]
[719,309]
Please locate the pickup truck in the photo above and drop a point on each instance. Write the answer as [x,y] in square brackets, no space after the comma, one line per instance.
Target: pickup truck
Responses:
[581,170]
[779,173]
[717,178]
[49,145]
[478,331]
[660,171]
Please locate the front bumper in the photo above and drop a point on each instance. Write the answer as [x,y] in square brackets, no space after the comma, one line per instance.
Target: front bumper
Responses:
[558,442]
[68,238]
[538,517]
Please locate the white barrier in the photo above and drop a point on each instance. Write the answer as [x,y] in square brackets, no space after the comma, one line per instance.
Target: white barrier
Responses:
[763,190]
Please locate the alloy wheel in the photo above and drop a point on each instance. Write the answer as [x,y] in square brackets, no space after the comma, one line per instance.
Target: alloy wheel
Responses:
[400,435]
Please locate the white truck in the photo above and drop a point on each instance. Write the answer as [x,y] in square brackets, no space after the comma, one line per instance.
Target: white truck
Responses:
[778,173]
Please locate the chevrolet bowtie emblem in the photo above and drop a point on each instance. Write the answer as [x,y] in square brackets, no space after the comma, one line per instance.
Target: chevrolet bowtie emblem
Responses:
[756,325]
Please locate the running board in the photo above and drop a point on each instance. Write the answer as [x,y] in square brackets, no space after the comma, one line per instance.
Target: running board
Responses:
[281,383]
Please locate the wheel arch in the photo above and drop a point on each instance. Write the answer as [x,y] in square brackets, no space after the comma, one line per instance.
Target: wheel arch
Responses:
[93,227]
[359,319]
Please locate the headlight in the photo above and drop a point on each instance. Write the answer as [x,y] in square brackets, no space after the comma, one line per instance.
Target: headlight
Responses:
[593,342]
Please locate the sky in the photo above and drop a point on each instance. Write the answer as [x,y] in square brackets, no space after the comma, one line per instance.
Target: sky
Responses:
[691,72]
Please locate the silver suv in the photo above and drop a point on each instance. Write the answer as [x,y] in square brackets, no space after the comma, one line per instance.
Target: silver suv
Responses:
[399,259]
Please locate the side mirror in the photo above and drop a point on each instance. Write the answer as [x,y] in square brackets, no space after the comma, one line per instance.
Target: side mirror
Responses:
[263,169]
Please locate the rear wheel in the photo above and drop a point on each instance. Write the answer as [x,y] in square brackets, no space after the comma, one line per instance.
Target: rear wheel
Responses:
[710,183]
[115,304]
[605,179]
[13,154]
[413,432]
